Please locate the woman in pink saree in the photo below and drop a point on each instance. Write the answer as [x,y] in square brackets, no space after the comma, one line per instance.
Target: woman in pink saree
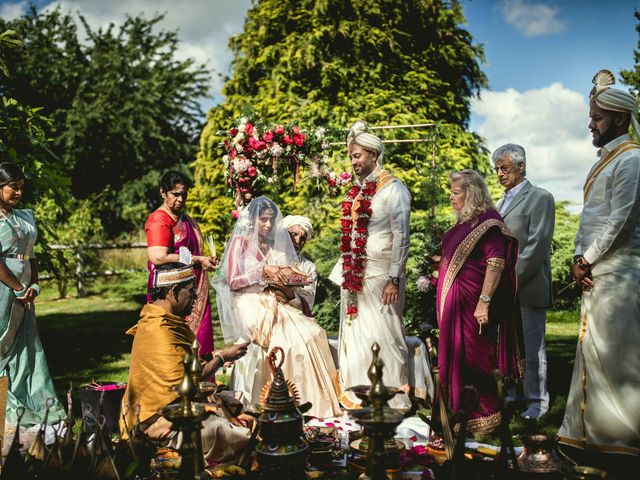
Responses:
[480,326]
[168,228]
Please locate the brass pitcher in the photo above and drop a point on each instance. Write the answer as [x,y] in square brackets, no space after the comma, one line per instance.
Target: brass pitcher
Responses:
[540,454]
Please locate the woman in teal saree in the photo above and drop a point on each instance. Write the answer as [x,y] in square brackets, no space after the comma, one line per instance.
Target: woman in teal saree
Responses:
[22,358]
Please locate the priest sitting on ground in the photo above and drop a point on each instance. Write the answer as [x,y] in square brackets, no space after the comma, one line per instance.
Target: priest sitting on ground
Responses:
[161,339]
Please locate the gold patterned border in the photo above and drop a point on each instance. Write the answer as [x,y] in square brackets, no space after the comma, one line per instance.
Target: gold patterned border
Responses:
[597,447]
[463,251]
[195,317]
[169,277]
[607,160]
[484,424]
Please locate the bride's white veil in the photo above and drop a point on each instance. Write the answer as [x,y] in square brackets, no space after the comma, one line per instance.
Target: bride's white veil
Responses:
[242,263]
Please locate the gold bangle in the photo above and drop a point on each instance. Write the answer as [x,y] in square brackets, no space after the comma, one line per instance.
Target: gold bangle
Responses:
[496,264]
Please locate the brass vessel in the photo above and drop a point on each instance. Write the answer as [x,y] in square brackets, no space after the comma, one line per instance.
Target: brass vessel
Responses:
[540,455]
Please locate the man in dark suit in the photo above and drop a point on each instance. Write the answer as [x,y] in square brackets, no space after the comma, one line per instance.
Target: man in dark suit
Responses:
[529,212]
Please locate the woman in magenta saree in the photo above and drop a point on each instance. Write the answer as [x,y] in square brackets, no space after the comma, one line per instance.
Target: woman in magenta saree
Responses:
[168,228]
[479,323]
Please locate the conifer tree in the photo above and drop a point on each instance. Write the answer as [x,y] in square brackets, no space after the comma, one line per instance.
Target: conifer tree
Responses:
[332,62]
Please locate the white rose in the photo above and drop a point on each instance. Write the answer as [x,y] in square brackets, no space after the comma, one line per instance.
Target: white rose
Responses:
[423,284]
[240,164]
[276,150]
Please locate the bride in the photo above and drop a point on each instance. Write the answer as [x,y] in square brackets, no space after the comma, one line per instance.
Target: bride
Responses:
[258,295]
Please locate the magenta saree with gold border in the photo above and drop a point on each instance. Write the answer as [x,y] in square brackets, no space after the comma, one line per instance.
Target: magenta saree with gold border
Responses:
[466,356]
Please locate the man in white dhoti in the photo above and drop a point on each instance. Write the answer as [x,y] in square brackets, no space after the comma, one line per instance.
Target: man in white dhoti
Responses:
[603,411]
[371,271]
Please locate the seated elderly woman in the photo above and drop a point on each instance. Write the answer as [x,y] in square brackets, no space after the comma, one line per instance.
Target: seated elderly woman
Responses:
[480,328]
[161,338]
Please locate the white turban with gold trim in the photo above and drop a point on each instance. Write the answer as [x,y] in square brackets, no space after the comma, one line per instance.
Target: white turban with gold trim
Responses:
[359,135]
[613,99]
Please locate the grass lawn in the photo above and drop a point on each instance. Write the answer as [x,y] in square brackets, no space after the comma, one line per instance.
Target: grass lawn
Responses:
[84,340]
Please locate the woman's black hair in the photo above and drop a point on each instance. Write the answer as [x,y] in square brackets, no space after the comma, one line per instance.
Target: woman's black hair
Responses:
[159,293]
[10,172]
[172,178]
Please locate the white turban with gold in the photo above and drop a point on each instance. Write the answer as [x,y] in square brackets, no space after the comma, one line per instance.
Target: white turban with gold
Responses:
[358,134]
[301,221]
[613,99]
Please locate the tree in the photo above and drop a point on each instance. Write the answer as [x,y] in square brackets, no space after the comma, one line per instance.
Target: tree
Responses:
[632,76]
[331,62]
[121,103]
[23,138]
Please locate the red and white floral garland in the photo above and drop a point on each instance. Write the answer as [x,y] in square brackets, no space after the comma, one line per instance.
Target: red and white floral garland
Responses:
[354,258]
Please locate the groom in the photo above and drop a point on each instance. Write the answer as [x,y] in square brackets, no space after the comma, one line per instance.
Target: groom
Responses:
[371,271]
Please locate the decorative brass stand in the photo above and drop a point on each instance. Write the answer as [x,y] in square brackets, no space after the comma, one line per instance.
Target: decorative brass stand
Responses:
[186,417]
[379,422]
[282,448]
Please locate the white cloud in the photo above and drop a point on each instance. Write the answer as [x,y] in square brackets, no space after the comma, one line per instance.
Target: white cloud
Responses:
[551,124]
[11,11]
[532,19]
[204,26]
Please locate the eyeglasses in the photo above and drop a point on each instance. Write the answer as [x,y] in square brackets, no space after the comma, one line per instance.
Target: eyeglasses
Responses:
[504,169]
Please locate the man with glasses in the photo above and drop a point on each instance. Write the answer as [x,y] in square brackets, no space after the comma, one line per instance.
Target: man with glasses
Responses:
[529,212]
[162,337]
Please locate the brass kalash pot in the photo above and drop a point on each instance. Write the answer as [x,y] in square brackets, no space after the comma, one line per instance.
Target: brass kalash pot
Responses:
[282,449]
[379,423]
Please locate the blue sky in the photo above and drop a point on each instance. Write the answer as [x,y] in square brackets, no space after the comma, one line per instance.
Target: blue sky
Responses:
[541,56]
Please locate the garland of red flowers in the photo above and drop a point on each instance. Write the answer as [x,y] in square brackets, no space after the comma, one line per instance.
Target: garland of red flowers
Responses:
[354,257]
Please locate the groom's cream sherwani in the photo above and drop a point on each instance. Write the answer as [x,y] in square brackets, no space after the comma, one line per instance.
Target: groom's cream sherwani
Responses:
[387,252]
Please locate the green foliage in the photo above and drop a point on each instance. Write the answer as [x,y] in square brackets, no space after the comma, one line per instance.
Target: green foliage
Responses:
[120,102]
[562,257]
[331,62]
[23,140]
[78,227]
[632,76]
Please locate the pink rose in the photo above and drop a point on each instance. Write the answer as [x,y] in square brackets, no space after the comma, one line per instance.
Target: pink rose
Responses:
[260,146]
[287,139]
[346,176]
[298,140]
[295,130]
[279,130]
[235,214]
[248,128]
[268,136]
[233,132]
[251,171]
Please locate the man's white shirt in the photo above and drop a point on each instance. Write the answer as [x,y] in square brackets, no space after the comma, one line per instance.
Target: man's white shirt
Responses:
[610,219]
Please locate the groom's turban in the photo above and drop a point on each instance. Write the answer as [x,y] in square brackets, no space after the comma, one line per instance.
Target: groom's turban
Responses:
[613,99]
[358,134]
